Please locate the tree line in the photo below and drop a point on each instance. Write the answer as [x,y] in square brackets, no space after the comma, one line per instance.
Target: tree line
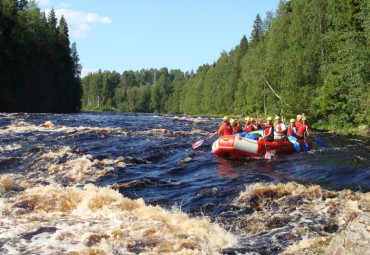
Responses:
[39,67]
[310,56]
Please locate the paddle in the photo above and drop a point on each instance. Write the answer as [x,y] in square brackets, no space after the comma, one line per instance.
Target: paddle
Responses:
[267,153]
[305,145]
[199,143]
[293,140]
[258,132]
[319,142]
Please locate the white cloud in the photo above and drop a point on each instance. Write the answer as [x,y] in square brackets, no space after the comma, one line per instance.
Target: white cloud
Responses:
[91,17]
[80,31]
[43,3]
[79,22]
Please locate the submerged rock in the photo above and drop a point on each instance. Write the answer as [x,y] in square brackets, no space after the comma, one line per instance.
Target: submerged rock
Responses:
[48,124]
[364,130]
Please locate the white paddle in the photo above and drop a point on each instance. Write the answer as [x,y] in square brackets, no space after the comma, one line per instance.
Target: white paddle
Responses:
[199,143]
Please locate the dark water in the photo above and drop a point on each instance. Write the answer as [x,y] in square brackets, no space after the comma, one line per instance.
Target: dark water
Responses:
[266,205]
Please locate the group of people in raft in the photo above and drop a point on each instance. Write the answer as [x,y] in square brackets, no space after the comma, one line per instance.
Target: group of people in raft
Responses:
[297,128]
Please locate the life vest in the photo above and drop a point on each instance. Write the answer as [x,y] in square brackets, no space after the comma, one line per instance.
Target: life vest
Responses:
[267,129]
[292,131]
[225,129]
[249,128]
[298,124]
[237,129]
[280,128]
[301,129]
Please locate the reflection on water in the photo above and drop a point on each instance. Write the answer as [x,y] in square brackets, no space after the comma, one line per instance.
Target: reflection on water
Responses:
[225,168]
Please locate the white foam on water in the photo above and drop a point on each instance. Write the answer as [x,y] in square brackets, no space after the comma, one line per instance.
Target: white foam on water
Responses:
[48,126]
[9,147]
[71,166]
[53,219]
[189,118]
[38,216]
[305,214]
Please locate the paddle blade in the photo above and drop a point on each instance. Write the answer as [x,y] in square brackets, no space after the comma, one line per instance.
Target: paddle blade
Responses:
[197,144]
[297,147]
[292,139]
[267,155]
[321,143]
[305,146]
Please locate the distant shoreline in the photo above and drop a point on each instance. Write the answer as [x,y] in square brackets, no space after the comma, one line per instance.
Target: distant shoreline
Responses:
[363,130]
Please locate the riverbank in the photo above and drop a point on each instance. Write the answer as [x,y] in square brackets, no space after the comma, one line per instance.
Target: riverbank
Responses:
[362,130]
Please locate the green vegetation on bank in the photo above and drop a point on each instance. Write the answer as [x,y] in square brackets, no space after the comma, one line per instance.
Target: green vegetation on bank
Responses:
[310,56]
[39,67]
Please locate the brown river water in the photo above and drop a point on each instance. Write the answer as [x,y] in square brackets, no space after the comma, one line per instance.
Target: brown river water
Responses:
[110,183]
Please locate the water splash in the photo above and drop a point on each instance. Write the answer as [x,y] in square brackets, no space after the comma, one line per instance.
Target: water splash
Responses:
[47,162]
[101,221]
[287,214]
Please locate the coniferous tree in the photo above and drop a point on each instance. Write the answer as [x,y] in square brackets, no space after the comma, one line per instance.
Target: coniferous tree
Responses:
[288,66]
[76,60]
[257,32]
[37,71]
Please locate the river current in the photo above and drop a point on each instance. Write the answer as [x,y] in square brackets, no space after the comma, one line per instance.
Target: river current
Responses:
[124,183]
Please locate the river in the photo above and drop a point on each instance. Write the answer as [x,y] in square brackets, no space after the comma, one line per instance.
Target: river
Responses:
[125,183]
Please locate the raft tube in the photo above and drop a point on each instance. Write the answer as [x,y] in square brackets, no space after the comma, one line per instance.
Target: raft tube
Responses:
[237,147]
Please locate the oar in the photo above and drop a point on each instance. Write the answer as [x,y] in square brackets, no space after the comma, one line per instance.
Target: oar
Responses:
[267,153]
[293,140]
[305,145]
[297,147]
[258,132]
[319,142]
[199,143]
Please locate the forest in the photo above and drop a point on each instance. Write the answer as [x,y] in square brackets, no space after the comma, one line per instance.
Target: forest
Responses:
[309,56]
[39,66]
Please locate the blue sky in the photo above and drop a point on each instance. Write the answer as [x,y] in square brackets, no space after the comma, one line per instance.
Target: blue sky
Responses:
[119,35]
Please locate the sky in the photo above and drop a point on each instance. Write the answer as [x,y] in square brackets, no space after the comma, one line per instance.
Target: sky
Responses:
[120,35]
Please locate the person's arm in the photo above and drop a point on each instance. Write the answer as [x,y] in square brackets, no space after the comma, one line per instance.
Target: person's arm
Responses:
[270,131]
[220,130]
[232,129]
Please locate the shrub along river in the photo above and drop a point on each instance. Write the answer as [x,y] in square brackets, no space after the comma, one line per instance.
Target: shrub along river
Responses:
[112,183]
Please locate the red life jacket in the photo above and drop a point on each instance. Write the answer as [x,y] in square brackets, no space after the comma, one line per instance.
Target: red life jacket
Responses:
[226,129]
[280,129]
[248,127]
[292,131]
[302,129]
[267,129]
[297,124]
[237,129]
[254,127]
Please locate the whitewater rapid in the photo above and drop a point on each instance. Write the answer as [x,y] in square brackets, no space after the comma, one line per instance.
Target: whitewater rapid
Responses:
[76,189]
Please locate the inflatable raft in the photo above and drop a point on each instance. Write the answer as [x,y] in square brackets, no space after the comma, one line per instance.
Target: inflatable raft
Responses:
[237,146]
